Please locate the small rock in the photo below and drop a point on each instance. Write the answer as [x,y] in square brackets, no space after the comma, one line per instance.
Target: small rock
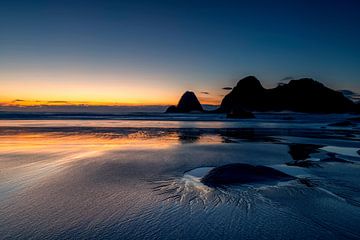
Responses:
[240,173]
[171,109]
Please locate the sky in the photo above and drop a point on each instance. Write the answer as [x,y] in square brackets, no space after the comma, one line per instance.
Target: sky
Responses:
[149,52]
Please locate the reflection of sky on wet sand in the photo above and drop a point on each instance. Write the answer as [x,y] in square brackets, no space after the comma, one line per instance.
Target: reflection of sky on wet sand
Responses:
[95,142]
[98,182]
[29,156]
[114,123]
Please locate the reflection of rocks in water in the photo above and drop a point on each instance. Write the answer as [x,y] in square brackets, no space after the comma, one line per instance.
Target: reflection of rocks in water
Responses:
[343,124]
[240,173]
[358,151]
[303,163]
[349,135]
[354,119]
[247,134]
[333,158]
[288,118]
[301,154]
[302,151]
[189,137]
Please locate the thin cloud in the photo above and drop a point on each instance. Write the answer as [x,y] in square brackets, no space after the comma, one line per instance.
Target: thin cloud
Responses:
[227,88]
[57,101]
[207,93]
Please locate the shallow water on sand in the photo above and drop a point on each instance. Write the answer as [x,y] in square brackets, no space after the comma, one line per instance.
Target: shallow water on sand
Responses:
[142,180]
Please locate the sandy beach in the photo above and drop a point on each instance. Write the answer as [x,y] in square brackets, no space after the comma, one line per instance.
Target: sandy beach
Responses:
[62,180]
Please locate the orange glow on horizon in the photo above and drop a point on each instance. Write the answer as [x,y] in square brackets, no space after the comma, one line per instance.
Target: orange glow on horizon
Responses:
[130,102]
[34,103]
[91,88]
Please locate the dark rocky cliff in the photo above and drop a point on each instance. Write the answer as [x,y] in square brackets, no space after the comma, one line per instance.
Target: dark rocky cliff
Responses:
[303,95]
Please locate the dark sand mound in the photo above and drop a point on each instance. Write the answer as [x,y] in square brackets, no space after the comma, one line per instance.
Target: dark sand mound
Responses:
[240,173]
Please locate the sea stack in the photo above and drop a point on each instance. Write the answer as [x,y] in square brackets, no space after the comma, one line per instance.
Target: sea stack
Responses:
[303,95]
[188,103]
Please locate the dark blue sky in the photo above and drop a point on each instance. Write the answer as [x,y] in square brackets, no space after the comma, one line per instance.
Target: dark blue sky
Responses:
[205,45]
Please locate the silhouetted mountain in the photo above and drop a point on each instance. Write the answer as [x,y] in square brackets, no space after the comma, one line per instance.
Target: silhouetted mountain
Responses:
[188,103]
[303,95]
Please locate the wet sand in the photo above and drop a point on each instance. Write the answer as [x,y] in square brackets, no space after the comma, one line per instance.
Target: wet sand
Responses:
[60,180]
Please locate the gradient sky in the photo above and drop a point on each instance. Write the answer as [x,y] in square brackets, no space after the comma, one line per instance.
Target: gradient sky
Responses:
[149,52]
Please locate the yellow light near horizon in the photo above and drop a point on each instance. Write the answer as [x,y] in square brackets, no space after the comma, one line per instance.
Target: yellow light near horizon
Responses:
[92,88]
[79,86]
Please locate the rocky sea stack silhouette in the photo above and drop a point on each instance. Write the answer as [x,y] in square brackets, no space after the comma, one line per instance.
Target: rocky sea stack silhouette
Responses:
[303,95]
[188,103]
